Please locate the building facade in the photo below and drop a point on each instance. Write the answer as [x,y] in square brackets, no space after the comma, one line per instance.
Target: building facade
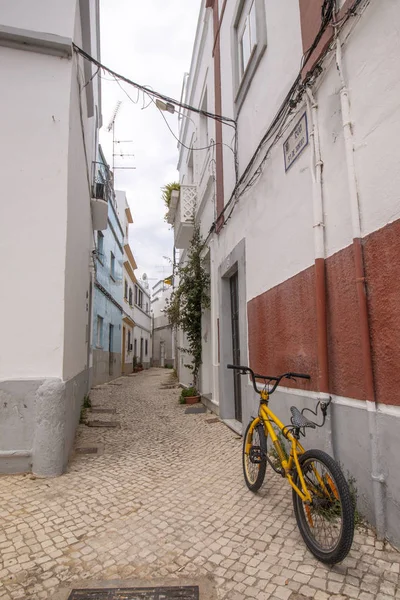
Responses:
[52,110]
[129,281]
[163,335]
[142,350]
[297,200]
[107,299]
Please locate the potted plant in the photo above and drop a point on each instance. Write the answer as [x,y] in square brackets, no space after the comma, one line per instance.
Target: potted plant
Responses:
[189,396]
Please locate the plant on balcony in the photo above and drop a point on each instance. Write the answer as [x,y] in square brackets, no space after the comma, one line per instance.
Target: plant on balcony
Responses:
[167,192]
[189,300]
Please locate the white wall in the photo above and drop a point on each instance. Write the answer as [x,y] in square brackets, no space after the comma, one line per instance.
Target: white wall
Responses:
[34,116]
[44,16]
[80,235]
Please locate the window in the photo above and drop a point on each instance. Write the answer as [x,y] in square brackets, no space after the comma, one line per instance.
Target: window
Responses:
[140,299]
[112,265]
[147,307]
[247,39]
[136,294]
[130,296]
[100,245]
[249,43]
[126,290]
[146,347]
[99,339]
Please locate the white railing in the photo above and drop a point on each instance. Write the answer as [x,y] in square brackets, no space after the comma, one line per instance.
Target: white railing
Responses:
[181,215]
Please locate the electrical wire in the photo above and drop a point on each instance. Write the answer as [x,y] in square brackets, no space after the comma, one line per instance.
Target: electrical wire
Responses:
[227,120]
[290,102]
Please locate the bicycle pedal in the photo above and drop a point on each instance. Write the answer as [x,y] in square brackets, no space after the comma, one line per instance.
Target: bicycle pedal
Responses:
[256,455]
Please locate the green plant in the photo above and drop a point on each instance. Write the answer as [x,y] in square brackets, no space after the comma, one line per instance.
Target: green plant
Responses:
[189,392]
[168,366]
[189,299]
[167,193]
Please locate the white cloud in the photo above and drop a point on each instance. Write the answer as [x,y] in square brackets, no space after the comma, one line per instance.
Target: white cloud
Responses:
[151,43]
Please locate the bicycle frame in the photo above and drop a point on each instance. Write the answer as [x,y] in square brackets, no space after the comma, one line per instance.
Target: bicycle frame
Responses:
[265,417]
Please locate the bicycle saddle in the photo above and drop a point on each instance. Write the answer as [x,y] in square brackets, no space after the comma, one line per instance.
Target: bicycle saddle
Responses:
[299,420]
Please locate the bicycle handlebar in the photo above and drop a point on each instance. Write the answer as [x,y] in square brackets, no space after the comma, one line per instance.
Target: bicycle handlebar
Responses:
[277,380]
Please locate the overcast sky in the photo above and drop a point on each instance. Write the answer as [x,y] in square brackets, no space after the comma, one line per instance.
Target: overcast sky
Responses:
[151,43]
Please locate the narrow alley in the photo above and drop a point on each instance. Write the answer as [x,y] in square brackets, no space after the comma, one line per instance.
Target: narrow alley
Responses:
[163,501]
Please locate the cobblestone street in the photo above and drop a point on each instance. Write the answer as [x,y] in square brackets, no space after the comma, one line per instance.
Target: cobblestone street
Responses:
[165,500]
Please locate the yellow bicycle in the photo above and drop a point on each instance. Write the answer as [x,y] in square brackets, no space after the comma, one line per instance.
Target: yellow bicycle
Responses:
[322,503]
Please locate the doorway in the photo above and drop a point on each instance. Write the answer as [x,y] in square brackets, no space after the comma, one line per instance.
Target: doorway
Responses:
[111,349]
[123,348]
[162,353]
[234,292]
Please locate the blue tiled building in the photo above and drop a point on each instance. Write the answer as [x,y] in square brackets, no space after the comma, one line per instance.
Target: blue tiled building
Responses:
[108,292]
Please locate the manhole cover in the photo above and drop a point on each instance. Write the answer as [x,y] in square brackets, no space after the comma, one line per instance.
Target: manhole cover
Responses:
[110,411]
[157,593]
[86,450]
[103,424]
[216,420]
[194,410]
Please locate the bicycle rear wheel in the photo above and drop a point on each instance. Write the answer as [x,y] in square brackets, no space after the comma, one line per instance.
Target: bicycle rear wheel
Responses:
[327,524]
[254,456]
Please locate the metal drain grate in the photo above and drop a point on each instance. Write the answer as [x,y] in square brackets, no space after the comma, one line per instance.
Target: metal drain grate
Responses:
[216,420]
[86,450]
[155,593]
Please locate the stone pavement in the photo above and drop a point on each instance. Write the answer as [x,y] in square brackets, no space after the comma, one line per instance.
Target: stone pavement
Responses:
[166,500]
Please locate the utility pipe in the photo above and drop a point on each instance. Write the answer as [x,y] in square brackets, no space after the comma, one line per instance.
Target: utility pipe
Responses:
[378,479]
[219,159]
[319,249]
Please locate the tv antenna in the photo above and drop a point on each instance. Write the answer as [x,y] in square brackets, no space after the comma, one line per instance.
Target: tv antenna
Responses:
[111,127]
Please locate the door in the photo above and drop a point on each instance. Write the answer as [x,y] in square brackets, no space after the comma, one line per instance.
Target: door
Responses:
[234,289]
[123,348]
[111,349]
[141,351]
[162,354]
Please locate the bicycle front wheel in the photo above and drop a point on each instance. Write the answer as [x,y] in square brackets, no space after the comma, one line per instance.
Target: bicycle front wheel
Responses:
[327,523]
[254,456]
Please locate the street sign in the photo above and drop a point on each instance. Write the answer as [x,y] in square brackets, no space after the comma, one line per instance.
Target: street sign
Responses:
[296,142]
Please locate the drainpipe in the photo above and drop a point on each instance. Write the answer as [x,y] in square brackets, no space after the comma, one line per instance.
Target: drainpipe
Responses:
[378,479]
[319,249]
[219,167]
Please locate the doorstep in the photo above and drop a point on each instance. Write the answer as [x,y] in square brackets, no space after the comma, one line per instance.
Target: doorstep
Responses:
[210,403]
[236,426]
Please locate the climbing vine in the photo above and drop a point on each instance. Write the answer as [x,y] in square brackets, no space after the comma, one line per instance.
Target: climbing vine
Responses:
[189,299]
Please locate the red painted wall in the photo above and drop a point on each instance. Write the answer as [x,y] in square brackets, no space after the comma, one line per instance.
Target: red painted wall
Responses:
[282,322]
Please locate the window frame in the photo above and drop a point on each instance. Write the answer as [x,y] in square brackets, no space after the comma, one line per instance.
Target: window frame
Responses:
[100,246]
[242,80]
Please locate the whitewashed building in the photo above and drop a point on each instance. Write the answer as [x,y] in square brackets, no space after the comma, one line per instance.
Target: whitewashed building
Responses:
[163,334]
[50,114]
[300,191]
[142,348]
[129,281]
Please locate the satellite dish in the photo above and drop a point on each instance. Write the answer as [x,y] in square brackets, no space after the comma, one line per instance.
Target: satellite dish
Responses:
[144,276]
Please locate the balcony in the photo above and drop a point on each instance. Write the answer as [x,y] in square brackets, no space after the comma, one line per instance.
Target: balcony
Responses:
[181,215]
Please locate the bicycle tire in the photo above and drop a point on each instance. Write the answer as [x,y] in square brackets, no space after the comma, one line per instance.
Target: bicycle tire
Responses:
[341,492]
[256,482]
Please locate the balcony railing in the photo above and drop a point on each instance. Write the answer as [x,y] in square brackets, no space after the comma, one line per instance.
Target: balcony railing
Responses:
[181,215]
